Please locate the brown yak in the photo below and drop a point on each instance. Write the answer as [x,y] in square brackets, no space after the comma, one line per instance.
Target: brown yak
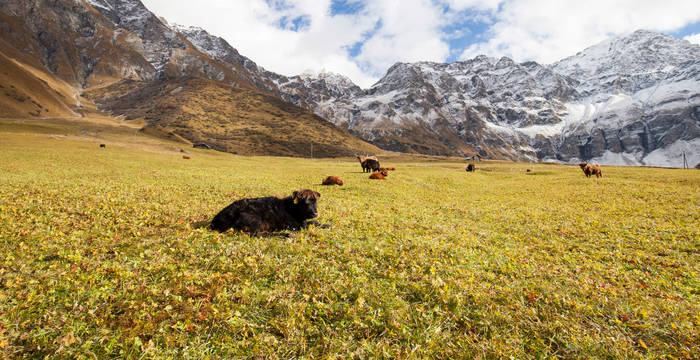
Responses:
[332,180]
[591,169]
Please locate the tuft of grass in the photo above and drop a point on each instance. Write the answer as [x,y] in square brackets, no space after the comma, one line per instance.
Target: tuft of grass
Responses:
[103,254]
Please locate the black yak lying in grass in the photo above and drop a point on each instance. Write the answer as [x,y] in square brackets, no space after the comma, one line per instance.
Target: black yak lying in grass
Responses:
[268,214]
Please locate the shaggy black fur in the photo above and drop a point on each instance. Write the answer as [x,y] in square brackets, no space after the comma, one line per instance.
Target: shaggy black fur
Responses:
[268,214]
[471,168]
[370,165]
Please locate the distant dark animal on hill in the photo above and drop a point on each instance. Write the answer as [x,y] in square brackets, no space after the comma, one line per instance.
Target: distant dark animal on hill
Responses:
[268,214]
[332,180]
[185,157]
[591,169]
[362,160]
[103,145]
[528,170]
[471,168]
[381,175]
[370,165]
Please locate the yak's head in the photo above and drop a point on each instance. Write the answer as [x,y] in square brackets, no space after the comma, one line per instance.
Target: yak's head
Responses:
[582,165]
[305,203]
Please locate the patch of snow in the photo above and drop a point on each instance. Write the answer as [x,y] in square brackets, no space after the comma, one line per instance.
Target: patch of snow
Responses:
[500,128]
[100,4]
[611,158]
[545,130]
[382,98]
[672,155]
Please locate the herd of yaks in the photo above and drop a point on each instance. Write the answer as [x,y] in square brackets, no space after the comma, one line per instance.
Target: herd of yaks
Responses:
[371,164]
[267,215]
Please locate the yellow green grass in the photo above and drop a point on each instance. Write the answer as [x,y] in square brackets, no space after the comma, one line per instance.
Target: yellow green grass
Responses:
[102,255]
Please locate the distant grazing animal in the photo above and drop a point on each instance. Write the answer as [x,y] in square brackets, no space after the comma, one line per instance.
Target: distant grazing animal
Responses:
[381,175]
[528,170]
[103,145]
[362,160]
[185,157]
[391,168]
[268,214]
[471,168]
[332,180]
[591,169]
[370,165]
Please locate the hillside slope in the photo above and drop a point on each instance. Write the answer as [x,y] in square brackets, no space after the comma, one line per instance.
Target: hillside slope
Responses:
[28,90]
[227,118]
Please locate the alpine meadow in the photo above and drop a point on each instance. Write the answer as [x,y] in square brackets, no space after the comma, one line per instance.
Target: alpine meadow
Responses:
[349,179]
[106,254]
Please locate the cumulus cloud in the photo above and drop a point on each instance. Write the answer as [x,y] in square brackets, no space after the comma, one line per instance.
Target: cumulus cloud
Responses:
[549,30]
[293,36]
[695,39]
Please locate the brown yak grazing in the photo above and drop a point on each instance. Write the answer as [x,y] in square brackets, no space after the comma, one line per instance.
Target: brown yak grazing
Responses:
[591,169]
[381,175]
[185,157]
[391,168]
[332,180]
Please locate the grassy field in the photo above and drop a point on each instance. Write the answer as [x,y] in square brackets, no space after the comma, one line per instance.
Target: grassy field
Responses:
[103,255]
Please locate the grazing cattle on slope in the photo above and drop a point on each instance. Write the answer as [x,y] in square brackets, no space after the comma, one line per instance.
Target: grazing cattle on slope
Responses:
[591,169]
[471,168]
[268,214]
[103,145]
[332,180]
[185,157]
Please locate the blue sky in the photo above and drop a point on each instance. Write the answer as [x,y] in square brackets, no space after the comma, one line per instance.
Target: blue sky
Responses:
[363,38]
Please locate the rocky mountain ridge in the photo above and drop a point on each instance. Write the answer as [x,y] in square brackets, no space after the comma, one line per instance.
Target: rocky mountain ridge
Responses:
[119,55]
[630,100]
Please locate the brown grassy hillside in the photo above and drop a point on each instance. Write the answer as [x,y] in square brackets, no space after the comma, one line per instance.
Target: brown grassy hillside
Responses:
[26,91]
[228,119]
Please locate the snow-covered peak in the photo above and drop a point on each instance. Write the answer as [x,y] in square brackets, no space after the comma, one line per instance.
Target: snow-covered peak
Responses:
[329,77]
[211,45]
[627,63]
[128,14]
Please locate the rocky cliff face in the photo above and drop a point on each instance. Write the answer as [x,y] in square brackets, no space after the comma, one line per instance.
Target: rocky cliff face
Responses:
[638,102]
[98,42]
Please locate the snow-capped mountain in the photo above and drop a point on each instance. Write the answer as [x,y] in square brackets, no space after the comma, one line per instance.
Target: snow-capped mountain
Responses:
[632,99]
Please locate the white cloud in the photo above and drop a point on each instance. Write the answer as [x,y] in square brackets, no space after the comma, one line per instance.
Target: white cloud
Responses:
[695,39]
[410,31]
[549,30]
[388,31]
